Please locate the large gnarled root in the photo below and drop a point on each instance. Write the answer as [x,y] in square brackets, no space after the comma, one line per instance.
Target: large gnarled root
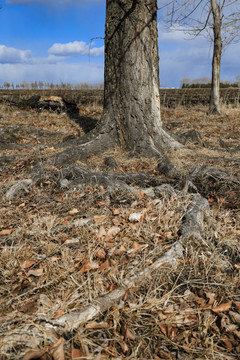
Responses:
[44,328]
[192,226]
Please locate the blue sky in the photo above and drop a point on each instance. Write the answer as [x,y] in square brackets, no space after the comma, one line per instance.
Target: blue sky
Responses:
[48,40]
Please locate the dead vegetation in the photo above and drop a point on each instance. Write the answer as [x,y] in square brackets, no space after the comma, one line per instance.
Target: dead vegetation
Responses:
[142,267]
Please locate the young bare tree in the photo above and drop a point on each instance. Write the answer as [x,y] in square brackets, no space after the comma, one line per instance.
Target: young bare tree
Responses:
[216,59]
[131,115]
[220,19]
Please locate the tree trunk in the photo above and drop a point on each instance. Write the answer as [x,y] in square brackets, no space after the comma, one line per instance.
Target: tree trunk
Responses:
[216,60]
[131,116]
[131,83]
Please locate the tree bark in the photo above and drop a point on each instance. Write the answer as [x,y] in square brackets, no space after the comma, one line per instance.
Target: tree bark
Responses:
[131,83]
[131,116]
[216,60]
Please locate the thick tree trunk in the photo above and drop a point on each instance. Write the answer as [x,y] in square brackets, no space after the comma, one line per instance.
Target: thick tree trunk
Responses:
[216,60]
[131,96]
[131,115]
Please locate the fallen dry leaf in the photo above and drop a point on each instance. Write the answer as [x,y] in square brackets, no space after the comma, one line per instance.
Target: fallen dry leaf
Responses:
[128,334]
[111,287]
[186,317]
[73,211]
[85,268]
[124,347]
[99,218]
[115,312]
[163,328]
[142,194]
[199,300]
[117,221]
[37,272]
[77,354]
[222,307]
[36,355]
[45,301]
[237,334]
[5,232]
[136,245]
[102,232]
[100,203]
[94,265]
[59,313]
[162,315]
[97,325]
[224,321]
[30,307]
[116,212]
[57,350]
[169,235]
[54,258]
[72,241]
[101,253]
[104,266]
[27,264]
[235,317]
[211,296]
[125,295]
[227,342]
[237,304]
[51,333]
[148,262]
[120,251]
[113,231]
[231,327]
[109,244]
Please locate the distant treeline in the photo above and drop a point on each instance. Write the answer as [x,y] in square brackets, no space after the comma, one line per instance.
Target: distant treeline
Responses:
[205,83]
[223,85]
[44,85]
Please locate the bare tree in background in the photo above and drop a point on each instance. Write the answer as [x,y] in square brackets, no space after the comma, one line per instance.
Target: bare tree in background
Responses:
[218,18]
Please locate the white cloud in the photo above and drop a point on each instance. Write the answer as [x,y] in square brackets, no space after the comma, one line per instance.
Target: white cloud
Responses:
[179,35]
[56,73]
[50,59]
[12,55]
[192,59]
[179,59]
[170,36]
[75,48]
[178,64]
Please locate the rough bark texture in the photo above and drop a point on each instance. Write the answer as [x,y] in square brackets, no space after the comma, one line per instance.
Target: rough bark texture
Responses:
[216,60]
[131,117]
[131,97]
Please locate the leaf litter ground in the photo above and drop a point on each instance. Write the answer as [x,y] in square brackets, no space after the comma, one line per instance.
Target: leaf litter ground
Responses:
[64,247]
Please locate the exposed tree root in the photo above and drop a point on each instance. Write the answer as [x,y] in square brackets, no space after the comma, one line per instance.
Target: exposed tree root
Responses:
[99,140]
[107,135]
[192,226]
[43,328]
[200,179]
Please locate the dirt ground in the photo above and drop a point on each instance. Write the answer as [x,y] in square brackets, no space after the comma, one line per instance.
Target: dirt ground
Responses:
[65,244]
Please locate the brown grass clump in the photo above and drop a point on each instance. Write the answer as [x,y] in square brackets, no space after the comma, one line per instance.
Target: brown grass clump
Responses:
[62,249]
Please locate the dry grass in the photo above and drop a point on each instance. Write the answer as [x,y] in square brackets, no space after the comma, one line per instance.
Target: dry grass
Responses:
[62,249]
